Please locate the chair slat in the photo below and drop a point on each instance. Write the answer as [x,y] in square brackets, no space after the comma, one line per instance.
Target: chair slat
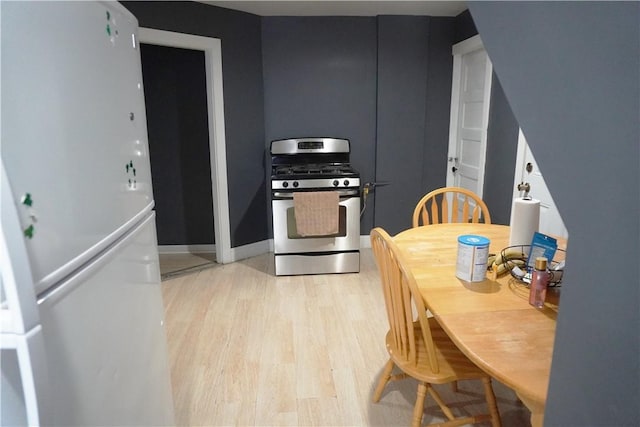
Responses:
[435,207]
[434,212]
[445,208]
[465,211]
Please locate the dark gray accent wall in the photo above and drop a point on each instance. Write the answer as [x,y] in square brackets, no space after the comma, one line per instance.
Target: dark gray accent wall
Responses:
[570,71]
[414,92]
[502,148]
[240,35]
[465,27]
[320,80]
[438,109]
[402,95]
[176,101]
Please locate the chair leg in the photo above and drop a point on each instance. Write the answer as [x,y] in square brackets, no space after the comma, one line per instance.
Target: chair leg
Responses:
[418,409]
[384,379]
[491,402]
[454,386]
[443,406]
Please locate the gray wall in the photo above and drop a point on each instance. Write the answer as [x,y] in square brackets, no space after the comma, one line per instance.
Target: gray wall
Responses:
[570,71]
[502,150]
[243,108]
[383,82]
[320,80]
[414,93]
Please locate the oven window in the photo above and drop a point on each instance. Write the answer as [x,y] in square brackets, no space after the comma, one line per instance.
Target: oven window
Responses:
[292,230]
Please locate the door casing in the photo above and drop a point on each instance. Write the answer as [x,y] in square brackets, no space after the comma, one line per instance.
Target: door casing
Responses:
[217,142]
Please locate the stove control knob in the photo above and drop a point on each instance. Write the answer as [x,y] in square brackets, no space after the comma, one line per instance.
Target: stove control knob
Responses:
[346,182]
[335,183]
[285,184]
[295,184]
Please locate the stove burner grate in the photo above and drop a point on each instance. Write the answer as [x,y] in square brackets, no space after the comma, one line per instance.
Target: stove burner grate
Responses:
[314,169]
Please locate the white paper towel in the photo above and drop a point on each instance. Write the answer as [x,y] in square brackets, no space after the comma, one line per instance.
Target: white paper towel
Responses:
[525,220]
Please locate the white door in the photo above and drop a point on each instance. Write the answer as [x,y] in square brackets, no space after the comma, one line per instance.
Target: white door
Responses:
[528,174]
[470,95]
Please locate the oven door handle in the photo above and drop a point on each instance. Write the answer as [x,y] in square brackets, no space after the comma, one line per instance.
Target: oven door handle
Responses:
[341,193]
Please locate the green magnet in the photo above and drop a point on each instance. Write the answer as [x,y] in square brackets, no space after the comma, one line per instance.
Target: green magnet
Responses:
[29,231]
[108,30]
[108,15]
[26,199]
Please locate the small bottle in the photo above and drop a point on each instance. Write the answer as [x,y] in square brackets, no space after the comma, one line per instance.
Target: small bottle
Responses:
[539,282]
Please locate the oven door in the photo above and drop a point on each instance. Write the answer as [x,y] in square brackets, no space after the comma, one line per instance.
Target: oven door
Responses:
[286,239]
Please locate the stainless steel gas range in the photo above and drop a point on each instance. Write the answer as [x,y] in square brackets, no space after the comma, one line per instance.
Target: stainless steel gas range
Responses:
[320,168]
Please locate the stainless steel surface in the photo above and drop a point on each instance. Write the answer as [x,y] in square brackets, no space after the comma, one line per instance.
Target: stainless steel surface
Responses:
[320,145]
[341,193]
[317,164]
[327,183]
[343,262]
[286,240]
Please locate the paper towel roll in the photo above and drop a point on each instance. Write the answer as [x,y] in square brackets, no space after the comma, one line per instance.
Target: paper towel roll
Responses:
[525,220]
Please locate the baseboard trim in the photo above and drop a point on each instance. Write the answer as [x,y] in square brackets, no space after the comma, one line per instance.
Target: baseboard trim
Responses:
[186,249]
[238,253]
[253,249]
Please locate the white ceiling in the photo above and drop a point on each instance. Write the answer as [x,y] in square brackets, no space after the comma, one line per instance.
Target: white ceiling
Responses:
[343,7]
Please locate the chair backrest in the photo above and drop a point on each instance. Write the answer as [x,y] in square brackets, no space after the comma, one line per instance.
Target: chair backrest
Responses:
[402,300]
[450,204]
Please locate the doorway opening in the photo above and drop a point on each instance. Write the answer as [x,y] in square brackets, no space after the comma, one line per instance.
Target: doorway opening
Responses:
[176,107]
[218,202]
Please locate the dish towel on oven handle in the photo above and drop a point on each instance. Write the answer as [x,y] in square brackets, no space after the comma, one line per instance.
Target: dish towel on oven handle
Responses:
[316,212]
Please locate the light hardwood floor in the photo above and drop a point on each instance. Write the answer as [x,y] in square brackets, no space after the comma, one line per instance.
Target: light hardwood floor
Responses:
[172,265]
[248,348]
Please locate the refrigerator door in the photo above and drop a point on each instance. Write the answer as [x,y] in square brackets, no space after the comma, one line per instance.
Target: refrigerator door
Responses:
[105,340]
[74,138]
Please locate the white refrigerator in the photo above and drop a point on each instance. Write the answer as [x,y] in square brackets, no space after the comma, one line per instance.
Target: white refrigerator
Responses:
[83,338]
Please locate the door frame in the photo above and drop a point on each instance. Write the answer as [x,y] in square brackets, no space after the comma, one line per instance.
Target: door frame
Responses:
[458,50]
[215,111]
[517,179]
[520,156]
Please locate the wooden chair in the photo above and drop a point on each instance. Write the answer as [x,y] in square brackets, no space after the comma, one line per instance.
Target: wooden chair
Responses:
[419,347]
[450,204]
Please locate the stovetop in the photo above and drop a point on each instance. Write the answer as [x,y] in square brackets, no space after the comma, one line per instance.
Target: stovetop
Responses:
[306,171]
[299,163]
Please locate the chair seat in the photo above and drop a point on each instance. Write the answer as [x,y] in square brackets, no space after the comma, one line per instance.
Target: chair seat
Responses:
[416,343]
[453,364]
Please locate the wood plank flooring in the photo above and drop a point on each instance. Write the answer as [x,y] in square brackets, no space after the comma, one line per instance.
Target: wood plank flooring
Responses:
[248,348]
[172,265]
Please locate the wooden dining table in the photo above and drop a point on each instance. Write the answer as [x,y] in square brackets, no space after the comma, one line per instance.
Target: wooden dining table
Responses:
[490,321]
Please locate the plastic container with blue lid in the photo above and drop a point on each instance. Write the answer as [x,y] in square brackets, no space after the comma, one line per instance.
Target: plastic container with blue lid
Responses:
[471,263]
